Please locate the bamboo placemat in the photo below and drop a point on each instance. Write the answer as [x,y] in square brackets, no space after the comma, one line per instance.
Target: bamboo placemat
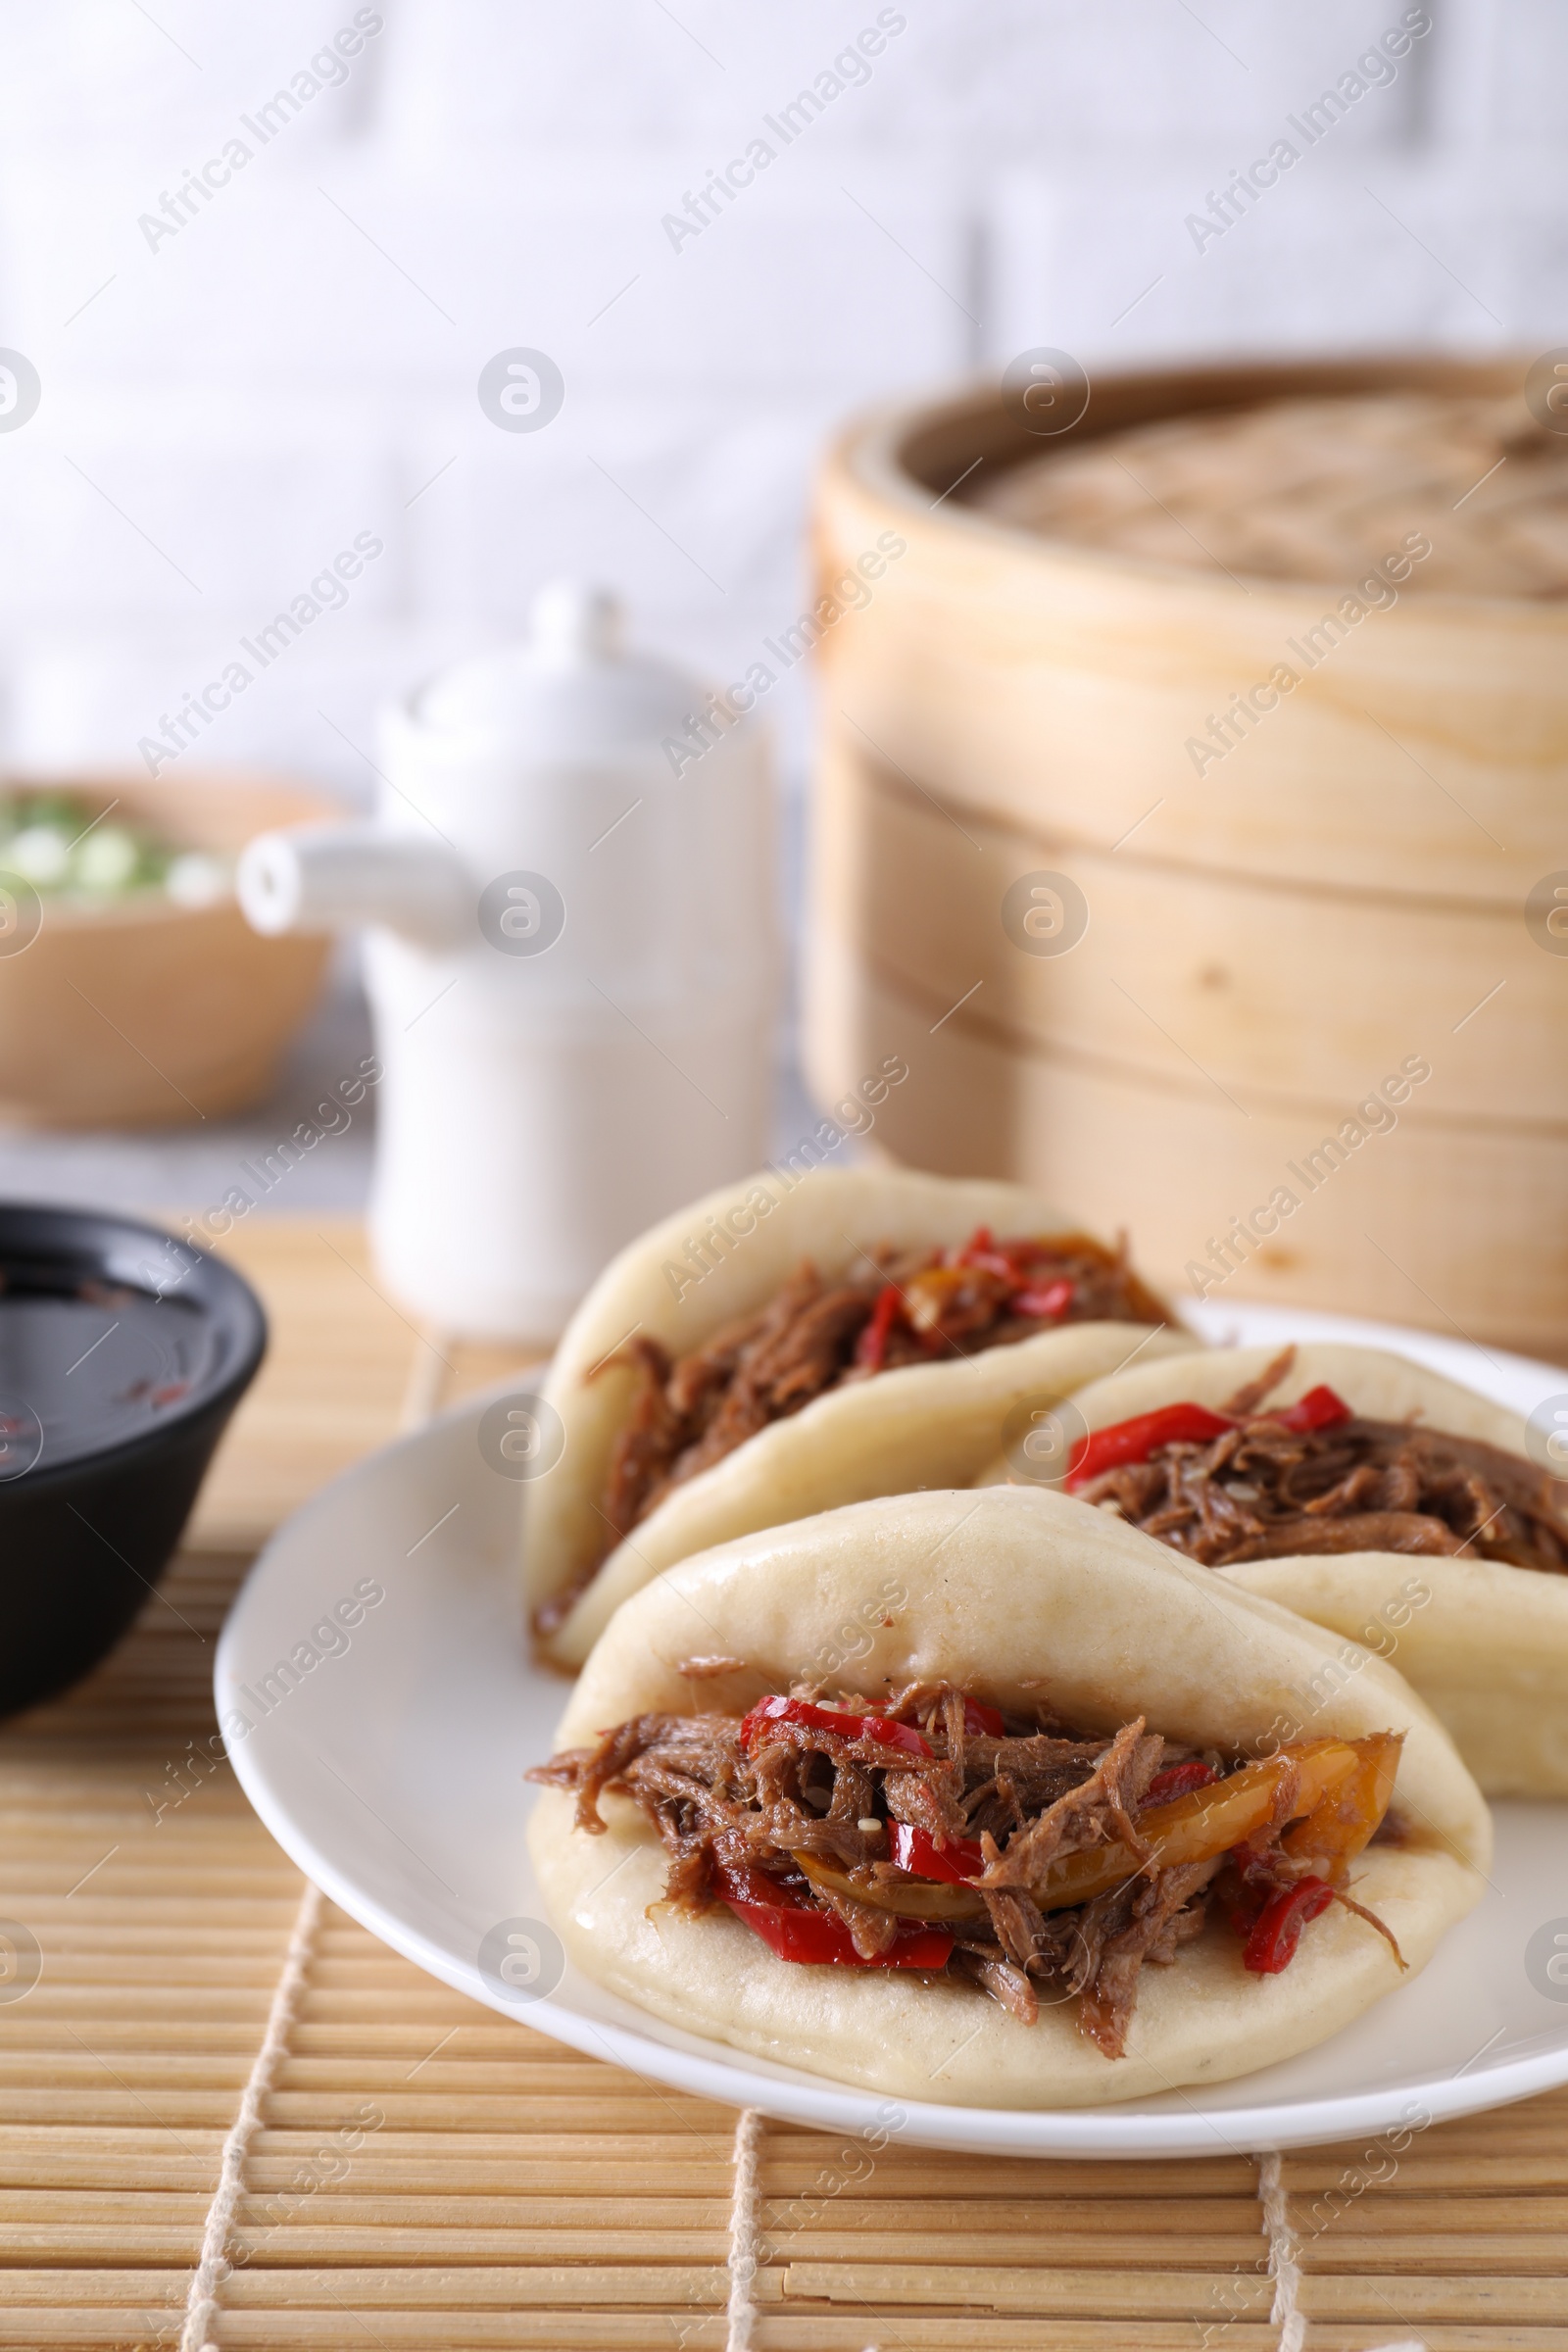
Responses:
[427,2173]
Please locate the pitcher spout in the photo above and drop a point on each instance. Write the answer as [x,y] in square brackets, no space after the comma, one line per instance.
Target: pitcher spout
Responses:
[346,877]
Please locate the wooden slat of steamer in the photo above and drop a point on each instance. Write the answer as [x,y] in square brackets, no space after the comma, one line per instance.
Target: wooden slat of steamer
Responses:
[519,2194]
[1291,994]
[1460,1230]
[1060,687]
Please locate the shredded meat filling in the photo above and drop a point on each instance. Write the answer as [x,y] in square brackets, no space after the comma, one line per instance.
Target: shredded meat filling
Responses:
[1262,1491]
[724,1804]
[688,1412]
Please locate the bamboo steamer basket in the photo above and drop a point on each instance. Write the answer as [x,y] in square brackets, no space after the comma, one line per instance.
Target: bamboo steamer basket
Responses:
[143,1013]
[1342,895]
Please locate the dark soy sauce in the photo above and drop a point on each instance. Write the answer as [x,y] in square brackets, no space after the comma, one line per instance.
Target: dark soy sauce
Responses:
[86,1364]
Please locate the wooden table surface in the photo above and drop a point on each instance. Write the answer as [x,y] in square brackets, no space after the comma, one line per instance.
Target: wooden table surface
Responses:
[428,2174]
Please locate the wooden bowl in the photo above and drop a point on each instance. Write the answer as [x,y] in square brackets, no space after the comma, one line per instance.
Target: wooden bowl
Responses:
[143,1013]
[1347,890]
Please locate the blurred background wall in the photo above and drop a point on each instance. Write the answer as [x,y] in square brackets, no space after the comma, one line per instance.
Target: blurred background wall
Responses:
[230,400]
[260,292]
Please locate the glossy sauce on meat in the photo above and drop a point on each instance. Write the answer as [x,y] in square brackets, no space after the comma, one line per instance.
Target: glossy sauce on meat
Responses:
[798,1808]
[813,1335]
[1261,1491]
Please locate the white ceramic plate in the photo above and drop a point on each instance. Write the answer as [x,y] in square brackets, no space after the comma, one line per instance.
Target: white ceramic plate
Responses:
[391,1772]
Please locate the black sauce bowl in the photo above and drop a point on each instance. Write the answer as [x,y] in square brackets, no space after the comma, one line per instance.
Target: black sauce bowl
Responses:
[122,1354]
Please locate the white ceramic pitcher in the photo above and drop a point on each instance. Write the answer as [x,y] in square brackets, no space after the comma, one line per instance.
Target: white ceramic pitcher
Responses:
[570,955]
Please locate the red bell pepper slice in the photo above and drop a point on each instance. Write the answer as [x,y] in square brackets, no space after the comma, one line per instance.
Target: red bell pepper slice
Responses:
[1012,1262]
[776,1709]
[1055,1300]
[796,1931]
[1134,1441]
[917,1851]
[1006,1259]
[980,1250]
[871,1348]
[744,1882]
[1128,1441]
[1179,1780]
[1272,1944]
[977,1717]
[1319,1408]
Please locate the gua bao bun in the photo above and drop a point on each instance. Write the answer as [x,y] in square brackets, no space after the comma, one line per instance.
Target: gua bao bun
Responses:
[1029,1603]
[1483,1639]
[927,1423]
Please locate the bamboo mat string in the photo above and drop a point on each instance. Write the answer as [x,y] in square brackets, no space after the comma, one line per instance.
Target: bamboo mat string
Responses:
[207,2279]
[1283,2267]
[744,2217]
[421,1401]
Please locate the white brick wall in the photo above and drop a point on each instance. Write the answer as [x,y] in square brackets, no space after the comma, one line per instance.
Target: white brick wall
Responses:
[224,409]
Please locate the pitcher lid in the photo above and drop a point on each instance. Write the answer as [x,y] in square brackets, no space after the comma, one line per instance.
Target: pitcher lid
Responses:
[569,692]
